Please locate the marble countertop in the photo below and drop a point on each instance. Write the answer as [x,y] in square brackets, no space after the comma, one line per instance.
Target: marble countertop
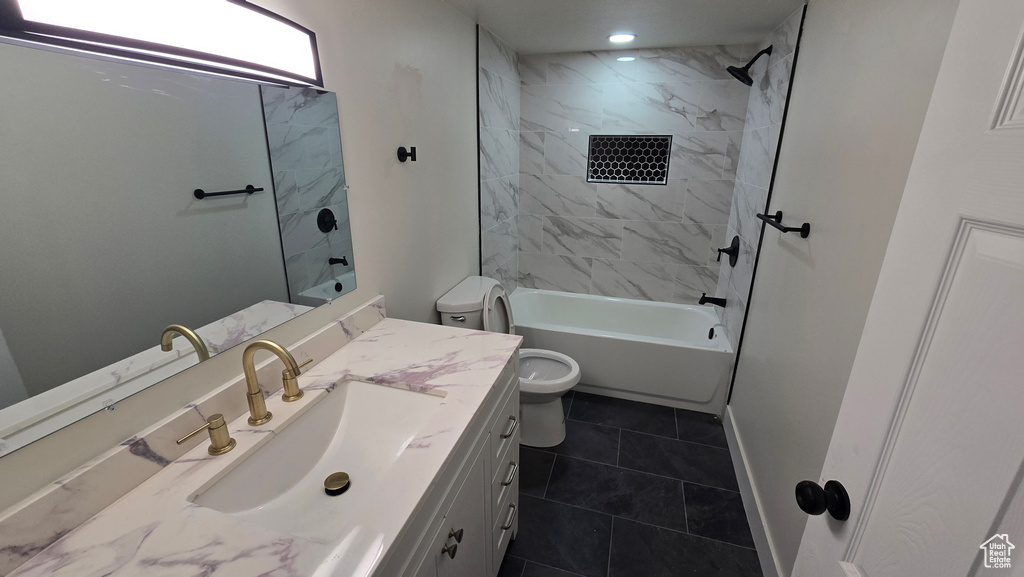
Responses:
[155,529]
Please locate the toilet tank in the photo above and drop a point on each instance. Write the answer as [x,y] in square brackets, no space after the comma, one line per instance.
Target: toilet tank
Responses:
[463,305]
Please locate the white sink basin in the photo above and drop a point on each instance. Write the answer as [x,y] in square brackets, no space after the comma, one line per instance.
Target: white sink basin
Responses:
[359,428]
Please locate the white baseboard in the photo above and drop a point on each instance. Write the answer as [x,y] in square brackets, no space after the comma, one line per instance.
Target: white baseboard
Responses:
[765,550]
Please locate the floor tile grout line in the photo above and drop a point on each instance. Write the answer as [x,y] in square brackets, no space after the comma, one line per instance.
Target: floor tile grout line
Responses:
[611,539]
[686,516]
[618,449]
[613,517]
[507,555]
[685,513]
[673,530]
[726,448]
[603,426]
[549,567]
[630,470]
[675,421]
[615,427]
[595,511]
[680,440]
[551,473]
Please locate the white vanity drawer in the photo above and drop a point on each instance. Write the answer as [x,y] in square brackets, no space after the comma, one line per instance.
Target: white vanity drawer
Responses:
[505,428]
[505,478]
[506,521]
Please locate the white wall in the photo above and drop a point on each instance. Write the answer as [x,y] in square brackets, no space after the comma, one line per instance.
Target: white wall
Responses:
[862,84]
[405,74]
[12,388]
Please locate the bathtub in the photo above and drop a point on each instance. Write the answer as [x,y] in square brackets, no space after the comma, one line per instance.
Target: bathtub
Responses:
[638,350]
[327,291]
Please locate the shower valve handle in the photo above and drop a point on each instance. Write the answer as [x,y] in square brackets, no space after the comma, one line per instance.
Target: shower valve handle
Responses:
[733,250]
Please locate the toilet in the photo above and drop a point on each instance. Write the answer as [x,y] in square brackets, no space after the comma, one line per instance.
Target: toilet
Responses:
[544,376]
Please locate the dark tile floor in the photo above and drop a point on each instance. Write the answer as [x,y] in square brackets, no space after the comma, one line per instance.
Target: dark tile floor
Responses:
[635,490]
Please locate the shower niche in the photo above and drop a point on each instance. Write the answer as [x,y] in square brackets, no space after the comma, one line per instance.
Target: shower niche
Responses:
[629,159]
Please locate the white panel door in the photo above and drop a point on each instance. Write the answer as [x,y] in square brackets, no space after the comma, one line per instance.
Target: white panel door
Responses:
[930,439]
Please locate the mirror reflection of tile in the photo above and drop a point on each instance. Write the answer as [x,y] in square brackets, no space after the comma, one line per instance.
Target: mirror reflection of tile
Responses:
[213,262]
[309,176]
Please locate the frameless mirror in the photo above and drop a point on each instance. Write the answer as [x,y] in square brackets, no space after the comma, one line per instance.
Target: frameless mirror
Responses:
[134,198]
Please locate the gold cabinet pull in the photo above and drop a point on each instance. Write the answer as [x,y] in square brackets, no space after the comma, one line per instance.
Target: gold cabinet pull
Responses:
[511,517]
[220,439]
[511,428]
[513,469]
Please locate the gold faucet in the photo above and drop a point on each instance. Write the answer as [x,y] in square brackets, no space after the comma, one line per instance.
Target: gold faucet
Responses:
[220,439]
[197,343]
[258,413]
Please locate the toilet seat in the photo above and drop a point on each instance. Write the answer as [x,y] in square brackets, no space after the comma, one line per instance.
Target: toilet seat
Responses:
[555,377]
[544,376]
[498,312]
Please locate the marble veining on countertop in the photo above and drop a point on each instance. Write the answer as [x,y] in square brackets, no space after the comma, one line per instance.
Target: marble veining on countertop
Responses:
[155,529]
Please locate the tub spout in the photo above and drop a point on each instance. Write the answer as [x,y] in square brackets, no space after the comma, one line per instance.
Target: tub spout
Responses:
[706,300]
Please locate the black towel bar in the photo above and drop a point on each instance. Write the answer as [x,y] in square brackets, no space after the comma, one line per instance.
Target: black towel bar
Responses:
[200,194]
[776,221]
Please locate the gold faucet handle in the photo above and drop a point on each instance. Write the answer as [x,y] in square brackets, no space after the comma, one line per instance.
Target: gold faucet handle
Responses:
[292,392]
[220,439]
[298,370]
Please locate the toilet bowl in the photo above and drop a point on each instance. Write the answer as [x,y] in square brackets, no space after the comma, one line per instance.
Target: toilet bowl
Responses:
[544,376]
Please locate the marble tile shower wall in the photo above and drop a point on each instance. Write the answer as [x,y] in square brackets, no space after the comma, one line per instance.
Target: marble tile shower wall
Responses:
[648,242]
[499,159]
[761,133]
[309,175]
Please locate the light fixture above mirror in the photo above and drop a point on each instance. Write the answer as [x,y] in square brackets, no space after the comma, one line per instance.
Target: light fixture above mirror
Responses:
[228,37]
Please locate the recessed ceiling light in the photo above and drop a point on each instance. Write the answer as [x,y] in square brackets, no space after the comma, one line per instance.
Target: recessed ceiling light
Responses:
[624,37]
[626,58]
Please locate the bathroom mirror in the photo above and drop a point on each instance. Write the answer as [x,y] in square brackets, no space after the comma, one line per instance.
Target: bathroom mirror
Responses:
[312,197]
[114,226]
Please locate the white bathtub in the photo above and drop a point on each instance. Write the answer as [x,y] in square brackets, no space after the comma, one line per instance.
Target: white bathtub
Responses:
[644,351]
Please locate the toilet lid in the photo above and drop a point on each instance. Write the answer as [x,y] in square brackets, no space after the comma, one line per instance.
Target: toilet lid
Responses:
[498,312]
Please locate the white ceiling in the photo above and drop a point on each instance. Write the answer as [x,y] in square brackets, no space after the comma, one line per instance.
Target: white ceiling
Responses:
[538,26]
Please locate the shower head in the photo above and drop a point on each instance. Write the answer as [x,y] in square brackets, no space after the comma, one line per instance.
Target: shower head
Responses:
[743,74]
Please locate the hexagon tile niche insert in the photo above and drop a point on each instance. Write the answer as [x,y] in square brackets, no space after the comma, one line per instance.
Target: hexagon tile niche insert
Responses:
[629,159]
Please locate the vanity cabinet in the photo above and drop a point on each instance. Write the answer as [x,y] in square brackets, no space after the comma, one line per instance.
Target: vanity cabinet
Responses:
[461,541]
[474,506]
